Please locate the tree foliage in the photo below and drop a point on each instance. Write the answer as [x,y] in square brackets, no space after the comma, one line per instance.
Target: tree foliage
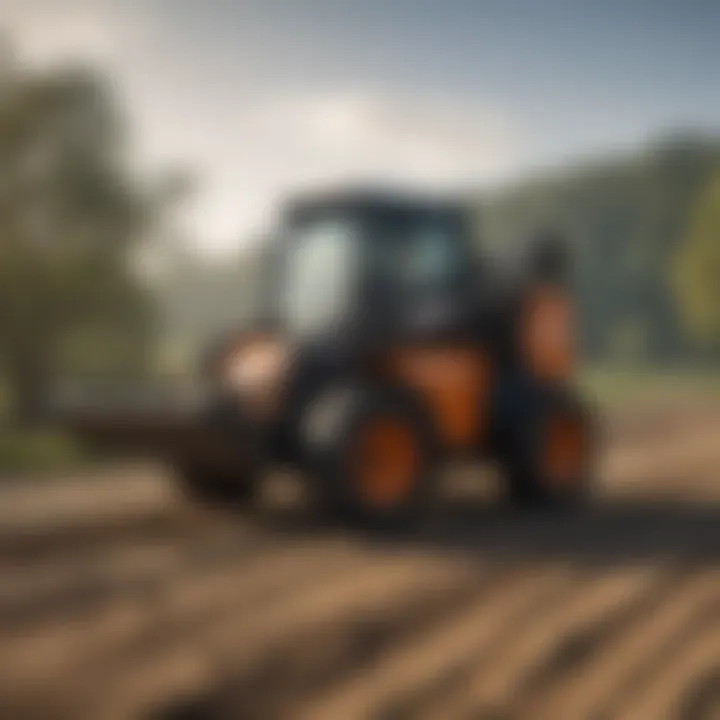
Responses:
[71,214]
[627,220]
[697,276]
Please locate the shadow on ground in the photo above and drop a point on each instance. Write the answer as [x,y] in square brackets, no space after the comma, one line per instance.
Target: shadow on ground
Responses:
[607,532]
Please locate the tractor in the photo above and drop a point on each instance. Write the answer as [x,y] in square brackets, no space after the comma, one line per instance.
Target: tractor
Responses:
[386,343]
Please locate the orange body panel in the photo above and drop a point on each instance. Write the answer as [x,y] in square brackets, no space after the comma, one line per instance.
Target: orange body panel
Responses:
[454,382]
[564,449]
[387,462]
[546,334]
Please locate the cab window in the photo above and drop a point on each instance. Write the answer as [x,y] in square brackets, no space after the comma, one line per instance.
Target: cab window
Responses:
[429,257]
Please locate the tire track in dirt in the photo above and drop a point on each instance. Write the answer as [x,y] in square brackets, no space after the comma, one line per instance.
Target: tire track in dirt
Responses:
[310,660]
[70,647]
[397,677]
[686,685]
[586,691]
[233,643]
[596,598]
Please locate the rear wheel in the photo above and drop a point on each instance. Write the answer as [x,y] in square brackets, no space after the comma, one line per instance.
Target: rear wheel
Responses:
[372,455]
[550,451]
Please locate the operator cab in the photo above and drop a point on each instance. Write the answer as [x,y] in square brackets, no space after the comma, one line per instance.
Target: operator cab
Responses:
[376,263]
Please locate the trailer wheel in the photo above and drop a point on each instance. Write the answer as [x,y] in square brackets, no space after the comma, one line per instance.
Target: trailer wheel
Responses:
[218,481]
[372,455]
[211,486]
[548,459]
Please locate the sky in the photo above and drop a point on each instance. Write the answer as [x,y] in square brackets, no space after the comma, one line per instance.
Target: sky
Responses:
[260,98]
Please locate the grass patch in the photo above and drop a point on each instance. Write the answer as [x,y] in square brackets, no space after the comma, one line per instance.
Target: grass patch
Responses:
[619,386]
[34,452]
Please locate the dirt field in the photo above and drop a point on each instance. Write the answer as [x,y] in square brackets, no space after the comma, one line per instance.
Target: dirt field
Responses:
[120,600]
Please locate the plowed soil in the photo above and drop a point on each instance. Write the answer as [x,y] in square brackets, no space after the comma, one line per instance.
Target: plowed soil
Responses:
[120,599]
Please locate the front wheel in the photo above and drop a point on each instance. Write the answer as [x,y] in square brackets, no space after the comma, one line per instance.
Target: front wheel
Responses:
[549,456]
[228,479]
[372,455]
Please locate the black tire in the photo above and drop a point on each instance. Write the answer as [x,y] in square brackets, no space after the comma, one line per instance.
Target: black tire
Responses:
[529,482]
[330,434]
[213,484]
[210,486]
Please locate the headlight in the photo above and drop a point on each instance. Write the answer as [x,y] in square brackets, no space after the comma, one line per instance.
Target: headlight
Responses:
[254,363]
[255,370]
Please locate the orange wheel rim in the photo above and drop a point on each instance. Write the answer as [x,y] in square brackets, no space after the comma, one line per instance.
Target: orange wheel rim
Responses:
[564,449]
[386,462]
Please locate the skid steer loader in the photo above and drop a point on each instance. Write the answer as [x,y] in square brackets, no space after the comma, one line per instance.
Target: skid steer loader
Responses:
[387,343]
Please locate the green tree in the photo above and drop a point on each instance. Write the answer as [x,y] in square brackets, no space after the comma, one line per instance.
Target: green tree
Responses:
[627,218]
[697,271]
[72,213]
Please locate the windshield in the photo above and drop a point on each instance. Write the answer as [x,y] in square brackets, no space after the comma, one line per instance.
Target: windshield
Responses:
[427,258]
[318,281]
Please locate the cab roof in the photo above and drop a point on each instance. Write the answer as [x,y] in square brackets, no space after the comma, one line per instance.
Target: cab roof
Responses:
[373,200]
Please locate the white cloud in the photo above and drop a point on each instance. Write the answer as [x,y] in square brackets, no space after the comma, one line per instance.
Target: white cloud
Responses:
[48,31]
[251,147]
[269,147]
[377,136]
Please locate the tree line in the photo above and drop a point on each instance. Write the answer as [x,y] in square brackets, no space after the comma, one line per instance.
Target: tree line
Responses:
[75,213]
[644,234]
